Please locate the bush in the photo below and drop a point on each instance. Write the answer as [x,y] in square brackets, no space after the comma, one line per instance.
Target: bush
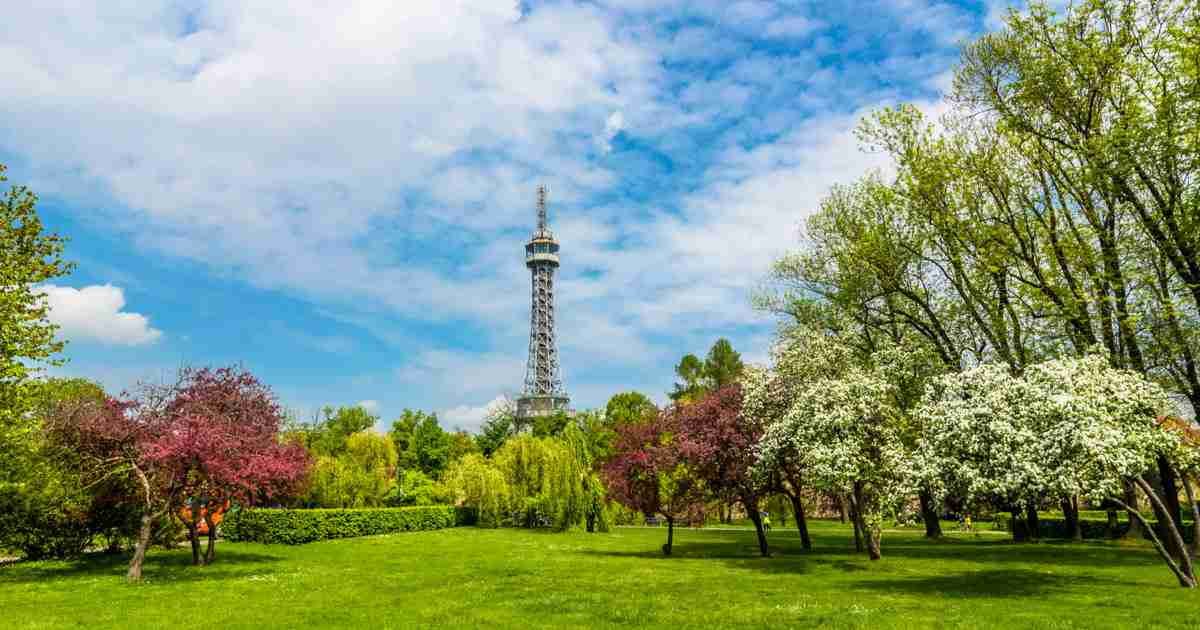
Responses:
[1092,527]
[294,527]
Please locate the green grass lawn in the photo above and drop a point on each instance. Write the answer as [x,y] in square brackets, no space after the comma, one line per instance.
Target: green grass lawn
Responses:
[519,578]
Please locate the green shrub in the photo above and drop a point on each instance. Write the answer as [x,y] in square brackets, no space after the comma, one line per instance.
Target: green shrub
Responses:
[1092,527]
[294,527]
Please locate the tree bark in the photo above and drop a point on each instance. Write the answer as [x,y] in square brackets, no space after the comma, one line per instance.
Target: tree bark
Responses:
[1070,508]
[858,534]
[1176,546]
[929,514]
[1130,500]
[1170,486]
[1113,525]
[1186,581]
[194,539]
[666,549]
[1191,497]
[841,506]
[1031,518]
[210,554]
[870,532]
[1019,526]
[139,551]
[801,521]
[752,508]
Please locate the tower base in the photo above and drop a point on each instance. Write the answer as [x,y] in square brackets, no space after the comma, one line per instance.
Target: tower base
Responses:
[535,406]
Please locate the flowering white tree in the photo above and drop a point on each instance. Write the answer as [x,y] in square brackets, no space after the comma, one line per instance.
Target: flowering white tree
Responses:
[1066,426]
[979,439]
[843,433]
[800,356]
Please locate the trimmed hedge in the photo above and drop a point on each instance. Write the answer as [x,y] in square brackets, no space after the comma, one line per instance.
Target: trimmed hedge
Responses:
[1092,528]
[295,527]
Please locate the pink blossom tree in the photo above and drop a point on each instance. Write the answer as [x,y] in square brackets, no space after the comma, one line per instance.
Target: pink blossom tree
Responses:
[645,473]
[222,446]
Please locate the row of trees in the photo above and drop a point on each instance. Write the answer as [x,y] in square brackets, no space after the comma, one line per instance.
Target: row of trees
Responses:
[1001,320]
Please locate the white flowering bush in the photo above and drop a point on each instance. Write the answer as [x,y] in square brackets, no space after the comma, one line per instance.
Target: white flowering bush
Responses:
[842,433]
[1071,426]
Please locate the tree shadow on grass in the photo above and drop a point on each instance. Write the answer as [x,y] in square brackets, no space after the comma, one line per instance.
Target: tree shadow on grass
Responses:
[174,565]
[987,583]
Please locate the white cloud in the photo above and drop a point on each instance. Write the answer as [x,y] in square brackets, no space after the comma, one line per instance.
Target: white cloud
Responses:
[370,406]
[468,417]
[94,313]
[612,126]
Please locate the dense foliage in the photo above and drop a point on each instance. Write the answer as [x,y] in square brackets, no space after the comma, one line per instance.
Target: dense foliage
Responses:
[295,527]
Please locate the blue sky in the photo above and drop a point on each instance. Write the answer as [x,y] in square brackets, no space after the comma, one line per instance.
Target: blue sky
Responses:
[336,196]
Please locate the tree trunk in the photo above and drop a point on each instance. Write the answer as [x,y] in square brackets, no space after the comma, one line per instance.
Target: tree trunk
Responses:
[1170,488]
[1114,525]
[1185,580]
[1070,508]
[1031,517]
[1019,526]
[666,549]
[752,509]
[139,550]
[193,537]
[1135,530]
[871,532]
[841,506]
[929,514]
[1191,497]
[858,537]
[210,554]
[1175,547]
[801,521]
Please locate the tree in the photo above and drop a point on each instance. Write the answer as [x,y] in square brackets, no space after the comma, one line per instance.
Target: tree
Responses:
[327,434]
[844,434]
[691,371]
[59,506]
[646,474]
[716,442]
[402,435]
[430,446]
[723,366]
[629,408]
[114,439]
[498,426]
[462,444]
[28,256]
[221,444]
[1074,425]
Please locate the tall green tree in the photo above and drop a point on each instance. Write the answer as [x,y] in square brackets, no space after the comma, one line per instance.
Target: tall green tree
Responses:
[28,256]
[629,408]
[430,446]
[723,365]
[402,435]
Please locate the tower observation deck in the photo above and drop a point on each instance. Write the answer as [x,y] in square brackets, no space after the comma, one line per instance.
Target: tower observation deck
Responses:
[543,393]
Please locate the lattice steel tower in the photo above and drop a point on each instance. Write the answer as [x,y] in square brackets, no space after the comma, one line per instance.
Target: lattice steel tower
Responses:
[543,393]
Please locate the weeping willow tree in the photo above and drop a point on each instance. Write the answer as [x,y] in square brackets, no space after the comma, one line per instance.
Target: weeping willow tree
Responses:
[475,483]
[535,482]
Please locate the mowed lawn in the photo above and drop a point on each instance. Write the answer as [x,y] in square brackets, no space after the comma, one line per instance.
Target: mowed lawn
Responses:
[517,578]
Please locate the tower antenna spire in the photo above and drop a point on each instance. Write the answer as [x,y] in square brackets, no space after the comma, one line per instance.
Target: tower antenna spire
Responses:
[541,207]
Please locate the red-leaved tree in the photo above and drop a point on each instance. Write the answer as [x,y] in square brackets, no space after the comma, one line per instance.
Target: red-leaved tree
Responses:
[717,444]
[223,447]
[646,474]
[111,438]
[209,439]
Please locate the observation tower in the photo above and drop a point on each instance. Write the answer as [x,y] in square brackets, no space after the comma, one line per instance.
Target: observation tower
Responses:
[543,393]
